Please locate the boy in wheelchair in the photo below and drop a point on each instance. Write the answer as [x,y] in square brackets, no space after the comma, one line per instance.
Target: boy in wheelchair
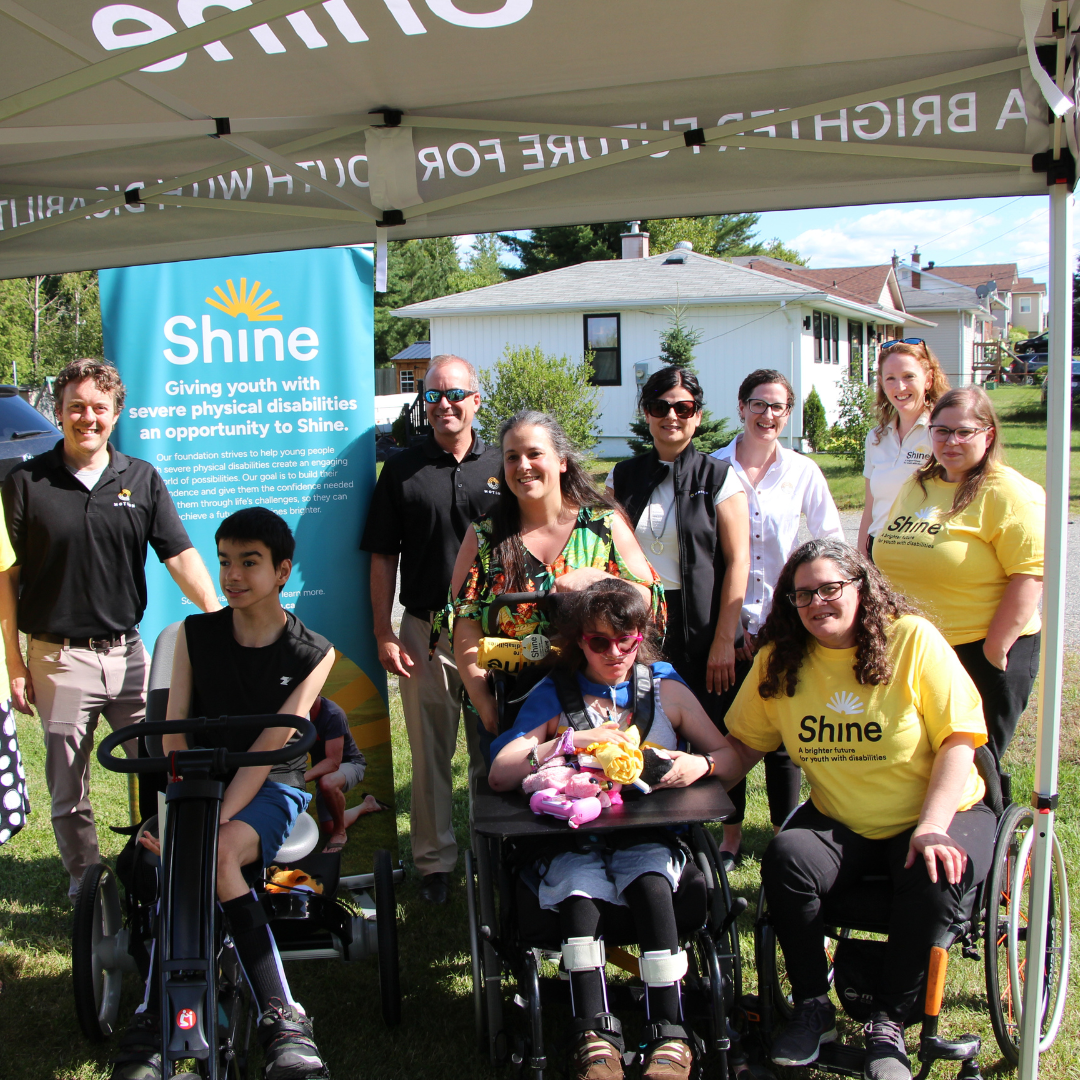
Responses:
[250,657]
[606,630]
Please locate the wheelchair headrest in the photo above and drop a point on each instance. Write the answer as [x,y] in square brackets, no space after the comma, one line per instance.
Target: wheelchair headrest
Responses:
[161,661]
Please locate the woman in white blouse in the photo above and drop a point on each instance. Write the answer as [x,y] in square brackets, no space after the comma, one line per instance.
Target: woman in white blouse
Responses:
[782,487]
[910,381]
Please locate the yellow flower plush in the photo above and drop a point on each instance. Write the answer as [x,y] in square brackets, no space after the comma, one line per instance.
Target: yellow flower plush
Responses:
[621,763]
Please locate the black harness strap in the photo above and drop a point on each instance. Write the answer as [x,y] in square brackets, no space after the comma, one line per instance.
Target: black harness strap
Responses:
[642,703]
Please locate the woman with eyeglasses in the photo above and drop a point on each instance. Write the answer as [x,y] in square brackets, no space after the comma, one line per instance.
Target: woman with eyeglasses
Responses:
[607,629]
[782,487]
[964,540]
[885,722]
[549,529]
[909,383]
[689,515]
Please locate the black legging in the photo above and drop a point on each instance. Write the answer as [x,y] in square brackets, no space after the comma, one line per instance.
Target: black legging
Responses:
[650,900]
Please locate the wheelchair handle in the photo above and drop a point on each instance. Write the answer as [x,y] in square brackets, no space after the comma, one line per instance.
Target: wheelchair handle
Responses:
[199,725]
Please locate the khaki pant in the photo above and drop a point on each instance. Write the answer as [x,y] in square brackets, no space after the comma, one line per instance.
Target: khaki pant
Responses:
[431,701]
[73,688]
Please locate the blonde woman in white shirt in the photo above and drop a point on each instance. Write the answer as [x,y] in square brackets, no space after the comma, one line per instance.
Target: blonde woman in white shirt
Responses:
[910,381]
[782,486]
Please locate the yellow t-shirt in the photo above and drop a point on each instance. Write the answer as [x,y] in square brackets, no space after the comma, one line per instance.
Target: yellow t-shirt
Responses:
[956,568]
[7,560]
[868,750]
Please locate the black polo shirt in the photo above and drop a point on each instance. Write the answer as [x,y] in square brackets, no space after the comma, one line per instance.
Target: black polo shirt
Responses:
[421,507]
[82,554]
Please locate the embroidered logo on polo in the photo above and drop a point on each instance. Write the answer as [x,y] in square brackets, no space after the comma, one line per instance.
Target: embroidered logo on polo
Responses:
[492,487]
[285,680]
[124,498]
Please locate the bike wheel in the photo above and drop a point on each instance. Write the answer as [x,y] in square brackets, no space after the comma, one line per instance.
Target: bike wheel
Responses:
[1006,928]
[97,938]
[386,928]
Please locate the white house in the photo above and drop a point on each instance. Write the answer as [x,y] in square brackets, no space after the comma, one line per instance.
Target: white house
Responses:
[617,309]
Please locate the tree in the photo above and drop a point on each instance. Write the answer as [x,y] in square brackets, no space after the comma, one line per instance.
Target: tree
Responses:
[856,418]
[527,378]
[563,245]
[482,266]
[777,249]
[677,345]
[717,235]
[814,424]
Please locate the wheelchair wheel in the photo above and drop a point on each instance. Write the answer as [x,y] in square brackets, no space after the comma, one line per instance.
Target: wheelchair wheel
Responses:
[98,940]
[1006,935]
[479,1013]
[386,928]
[721,900]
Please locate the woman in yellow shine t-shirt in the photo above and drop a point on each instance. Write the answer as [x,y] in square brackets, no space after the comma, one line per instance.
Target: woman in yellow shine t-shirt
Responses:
[964,540]
[873,704]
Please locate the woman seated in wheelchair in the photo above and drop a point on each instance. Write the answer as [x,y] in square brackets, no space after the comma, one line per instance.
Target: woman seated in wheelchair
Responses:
[605,630]
[873,703]
[248,658]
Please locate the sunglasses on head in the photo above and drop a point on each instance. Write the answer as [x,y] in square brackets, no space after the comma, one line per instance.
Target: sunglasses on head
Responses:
[601,643]
[452,396]
[900,341]
[659,408]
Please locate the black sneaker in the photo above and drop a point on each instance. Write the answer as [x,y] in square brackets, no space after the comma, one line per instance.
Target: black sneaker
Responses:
[886,1057]
[139,1053]
[813,1023]
[288,1045]
[435,888]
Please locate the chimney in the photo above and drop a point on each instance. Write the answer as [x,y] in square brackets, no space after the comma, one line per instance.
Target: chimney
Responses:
[895,261]
[916,277]
[635,243]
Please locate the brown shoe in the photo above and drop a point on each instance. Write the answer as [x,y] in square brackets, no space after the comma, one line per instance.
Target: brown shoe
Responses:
[667,1060]
[594,1058]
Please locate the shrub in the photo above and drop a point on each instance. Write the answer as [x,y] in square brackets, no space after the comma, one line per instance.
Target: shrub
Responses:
[815,426]
[848,438]
[527,378]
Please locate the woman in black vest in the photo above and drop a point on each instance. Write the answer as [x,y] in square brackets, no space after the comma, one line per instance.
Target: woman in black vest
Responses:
[690,515]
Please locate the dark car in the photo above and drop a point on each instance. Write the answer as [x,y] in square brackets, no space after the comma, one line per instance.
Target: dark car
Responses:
[24,432]
[1075,384]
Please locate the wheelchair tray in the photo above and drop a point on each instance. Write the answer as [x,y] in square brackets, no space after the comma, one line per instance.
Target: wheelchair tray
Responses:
[508,814]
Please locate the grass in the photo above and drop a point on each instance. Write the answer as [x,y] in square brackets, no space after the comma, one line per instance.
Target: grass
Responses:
[40,1038]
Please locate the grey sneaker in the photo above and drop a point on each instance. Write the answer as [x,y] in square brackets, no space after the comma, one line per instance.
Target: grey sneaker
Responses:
[813,1023]
[886,1058]
[288,1046]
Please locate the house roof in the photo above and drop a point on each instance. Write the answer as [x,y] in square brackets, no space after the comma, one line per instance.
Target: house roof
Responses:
[863,284]
[1029,285]
[958,299]
[418,350]
[673,277]
[1003,273]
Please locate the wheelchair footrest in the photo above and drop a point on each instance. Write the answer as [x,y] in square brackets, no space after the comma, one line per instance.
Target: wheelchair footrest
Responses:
[933,1048]
[840,1058]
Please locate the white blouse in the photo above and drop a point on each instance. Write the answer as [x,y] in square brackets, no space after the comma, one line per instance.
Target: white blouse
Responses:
[890,462]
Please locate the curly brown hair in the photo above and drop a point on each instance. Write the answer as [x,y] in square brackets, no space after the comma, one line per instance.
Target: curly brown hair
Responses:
[937,382]
[613,602]
[103,375]
[879,608]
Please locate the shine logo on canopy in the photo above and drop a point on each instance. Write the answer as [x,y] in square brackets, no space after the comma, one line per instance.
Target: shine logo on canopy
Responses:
[246,303]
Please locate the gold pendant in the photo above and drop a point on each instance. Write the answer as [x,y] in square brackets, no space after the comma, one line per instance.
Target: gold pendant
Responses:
[657,547]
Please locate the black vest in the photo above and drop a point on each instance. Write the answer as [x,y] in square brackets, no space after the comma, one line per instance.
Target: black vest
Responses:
[697,479]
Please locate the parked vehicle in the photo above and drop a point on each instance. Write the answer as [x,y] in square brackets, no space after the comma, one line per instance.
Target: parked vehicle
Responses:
[24,432]
[1075,384]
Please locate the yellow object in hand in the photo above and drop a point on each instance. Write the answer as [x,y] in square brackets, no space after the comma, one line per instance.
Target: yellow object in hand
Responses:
[621,763]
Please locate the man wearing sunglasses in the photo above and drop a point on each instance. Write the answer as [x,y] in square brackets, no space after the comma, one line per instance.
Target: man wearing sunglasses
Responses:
[423,503]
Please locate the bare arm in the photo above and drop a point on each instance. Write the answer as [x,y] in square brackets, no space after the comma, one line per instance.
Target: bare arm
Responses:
[1018,604]
[733,529]
[466,645]
[867,517]
[331,763]
[190,573]
[22,688]
[948,778]
[392,654]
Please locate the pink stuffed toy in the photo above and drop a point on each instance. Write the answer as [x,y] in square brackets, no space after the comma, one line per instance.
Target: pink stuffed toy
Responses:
[576,795]
[577,812]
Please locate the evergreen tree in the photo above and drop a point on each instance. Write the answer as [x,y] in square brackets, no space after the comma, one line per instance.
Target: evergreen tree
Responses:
[563,245]
[814,424]
[482,266]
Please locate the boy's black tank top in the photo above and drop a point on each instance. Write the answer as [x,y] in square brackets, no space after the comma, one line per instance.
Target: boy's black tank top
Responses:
[229,679]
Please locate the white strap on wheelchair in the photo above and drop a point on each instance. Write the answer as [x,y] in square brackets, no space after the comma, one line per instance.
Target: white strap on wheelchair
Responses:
[662,968]
[583,954]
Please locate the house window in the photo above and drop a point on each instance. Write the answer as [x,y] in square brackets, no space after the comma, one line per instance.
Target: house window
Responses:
[408,381]
[602,340]
[1025,305]
[967,318]
[855,349]
[826,338]
[819,350]
[835,351]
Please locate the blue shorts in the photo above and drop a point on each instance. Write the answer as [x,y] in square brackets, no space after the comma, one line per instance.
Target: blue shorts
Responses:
[272,813]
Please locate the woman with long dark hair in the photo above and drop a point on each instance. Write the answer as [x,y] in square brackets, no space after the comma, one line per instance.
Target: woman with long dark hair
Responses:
[605,630]
[909,383]
[875,706]
[964,540]
[551,529]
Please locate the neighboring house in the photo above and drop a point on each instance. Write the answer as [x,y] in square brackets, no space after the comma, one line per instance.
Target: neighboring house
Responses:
[411,366]
[617,310]
[1029,310]
[1022,300]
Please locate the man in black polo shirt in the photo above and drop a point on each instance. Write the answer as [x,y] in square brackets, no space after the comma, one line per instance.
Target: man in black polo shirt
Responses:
[80,517]
[423,503]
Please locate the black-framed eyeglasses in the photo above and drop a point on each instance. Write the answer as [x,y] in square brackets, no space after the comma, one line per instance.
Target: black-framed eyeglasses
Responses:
[659,408]
[759,406]
[831,590]
[940,433]
[452,396]
[900,341]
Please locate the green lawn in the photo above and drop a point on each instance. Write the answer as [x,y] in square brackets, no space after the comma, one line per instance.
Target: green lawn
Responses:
[40,1040]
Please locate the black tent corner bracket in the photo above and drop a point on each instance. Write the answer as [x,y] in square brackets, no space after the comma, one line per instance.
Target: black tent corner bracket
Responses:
[221,123]
[133,196]
[1044,802]
[1061,171]
[391,117]
[694,137]
[390,217]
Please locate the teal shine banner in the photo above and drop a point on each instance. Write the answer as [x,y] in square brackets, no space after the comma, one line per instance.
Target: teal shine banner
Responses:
[250,382]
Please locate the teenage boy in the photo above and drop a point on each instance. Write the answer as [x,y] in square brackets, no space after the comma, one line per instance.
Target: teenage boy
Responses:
[250,657]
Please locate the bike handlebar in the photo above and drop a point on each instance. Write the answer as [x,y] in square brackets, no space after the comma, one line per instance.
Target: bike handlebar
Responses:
[224,759]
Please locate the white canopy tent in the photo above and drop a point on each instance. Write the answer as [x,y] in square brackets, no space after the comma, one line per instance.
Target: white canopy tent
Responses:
[179,129]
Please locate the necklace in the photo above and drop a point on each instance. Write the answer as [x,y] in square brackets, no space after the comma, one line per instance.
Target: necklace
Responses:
[657,546]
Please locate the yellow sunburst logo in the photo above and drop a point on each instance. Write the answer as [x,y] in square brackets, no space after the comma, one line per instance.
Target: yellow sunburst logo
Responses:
[247,302]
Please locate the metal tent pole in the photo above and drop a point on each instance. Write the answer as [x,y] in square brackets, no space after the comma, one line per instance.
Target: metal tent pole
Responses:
[1059,404]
